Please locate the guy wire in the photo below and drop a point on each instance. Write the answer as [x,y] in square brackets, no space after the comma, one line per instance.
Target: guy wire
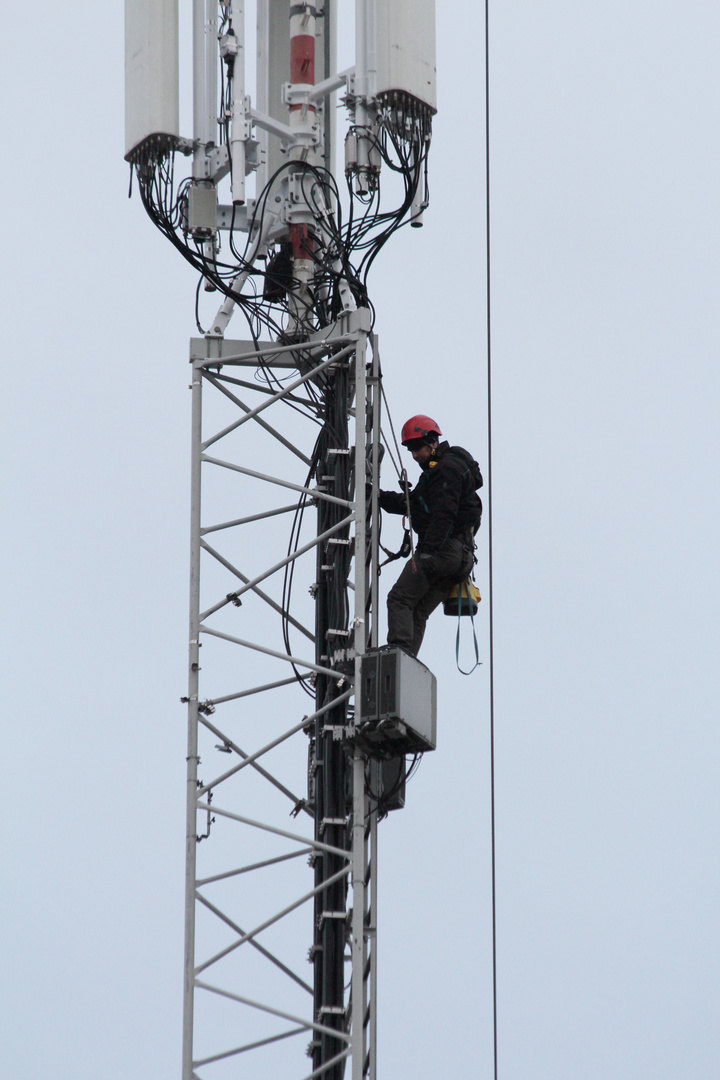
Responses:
[490,535]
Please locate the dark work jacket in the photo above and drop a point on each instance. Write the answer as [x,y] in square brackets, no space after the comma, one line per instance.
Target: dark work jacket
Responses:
[444,502]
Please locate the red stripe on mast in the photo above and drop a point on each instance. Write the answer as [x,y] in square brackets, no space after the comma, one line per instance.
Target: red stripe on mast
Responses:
[302,59]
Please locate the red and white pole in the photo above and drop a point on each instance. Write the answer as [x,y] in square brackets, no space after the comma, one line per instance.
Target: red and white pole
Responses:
[303,123]
[302,48]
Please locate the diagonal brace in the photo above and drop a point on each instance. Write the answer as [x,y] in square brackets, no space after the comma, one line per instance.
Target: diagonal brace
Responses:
[251,517]
[307,1024]
[295,660]
[328,1064]
[314,493]
[271,746]
[317,844]
[280,394]
[246,580]
[255,944]
[254,866]
[263,423]
[250,1046]
[260,389]
[255,690]
[283,562]
[299,803]
[273,919]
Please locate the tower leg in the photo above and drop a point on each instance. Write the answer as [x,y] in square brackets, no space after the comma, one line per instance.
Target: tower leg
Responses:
[192,741]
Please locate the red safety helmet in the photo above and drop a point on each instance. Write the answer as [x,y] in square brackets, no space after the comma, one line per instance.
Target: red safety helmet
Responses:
[418,427]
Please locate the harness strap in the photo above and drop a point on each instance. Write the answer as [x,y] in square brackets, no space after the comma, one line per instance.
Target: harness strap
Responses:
[457,636]
[405,550]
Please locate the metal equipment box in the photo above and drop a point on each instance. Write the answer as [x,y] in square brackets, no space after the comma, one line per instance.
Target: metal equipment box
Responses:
[396,704]
[392,775]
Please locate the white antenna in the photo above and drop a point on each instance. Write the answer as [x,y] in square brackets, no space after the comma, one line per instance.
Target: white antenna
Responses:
[151,75]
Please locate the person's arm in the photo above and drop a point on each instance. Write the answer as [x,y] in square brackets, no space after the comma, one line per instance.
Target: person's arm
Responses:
[393,502]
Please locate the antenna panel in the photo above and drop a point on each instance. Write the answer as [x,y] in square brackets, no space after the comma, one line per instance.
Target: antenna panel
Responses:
[151,74]
[273,67]
[405,50]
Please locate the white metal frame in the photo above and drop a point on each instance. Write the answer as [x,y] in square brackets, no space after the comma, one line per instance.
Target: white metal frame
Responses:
[212,362]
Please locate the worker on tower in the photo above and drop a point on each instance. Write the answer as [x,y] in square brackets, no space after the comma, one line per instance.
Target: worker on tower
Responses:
[445,512]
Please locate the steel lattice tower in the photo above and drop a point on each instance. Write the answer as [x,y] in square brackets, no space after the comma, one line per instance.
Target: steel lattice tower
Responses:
[294,407]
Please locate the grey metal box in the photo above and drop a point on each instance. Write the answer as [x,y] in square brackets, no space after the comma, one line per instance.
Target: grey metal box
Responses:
[392,774]
[396,704]
[202,210]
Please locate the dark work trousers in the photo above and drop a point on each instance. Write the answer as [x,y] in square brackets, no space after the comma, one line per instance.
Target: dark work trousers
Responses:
[414,596]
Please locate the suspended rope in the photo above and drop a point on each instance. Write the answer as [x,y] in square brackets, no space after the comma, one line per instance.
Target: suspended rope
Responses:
[403,477]
[490,533]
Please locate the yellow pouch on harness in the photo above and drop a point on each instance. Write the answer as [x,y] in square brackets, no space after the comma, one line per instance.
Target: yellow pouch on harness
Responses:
[469,599]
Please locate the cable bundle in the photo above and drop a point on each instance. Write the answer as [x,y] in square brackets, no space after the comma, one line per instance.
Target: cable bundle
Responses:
[342,249]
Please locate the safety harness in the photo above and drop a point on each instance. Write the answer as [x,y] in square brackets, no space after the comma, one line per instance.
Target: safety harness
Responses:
[404,550]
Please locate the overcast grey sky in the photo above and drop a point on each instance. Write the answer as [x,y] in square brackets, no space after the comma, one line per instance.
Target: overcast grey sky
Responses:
[606,273]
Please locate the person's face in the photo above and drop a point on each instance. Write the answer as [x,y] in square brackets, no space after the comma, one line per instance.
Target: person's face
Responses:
[422,454]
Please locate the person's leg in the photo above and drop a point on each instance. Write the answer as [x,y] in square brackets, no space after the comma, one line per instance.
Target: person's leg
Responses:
[403,598]
[434,596]
[449,566]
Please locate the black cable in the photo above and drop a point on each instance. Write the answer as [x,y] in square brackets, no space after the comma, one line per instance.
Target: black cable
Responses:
[330,243]
[197,304]
[489,499]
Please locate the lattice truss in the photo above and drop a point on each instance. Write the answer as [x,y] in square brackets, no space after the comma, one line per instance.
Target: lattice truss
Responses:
[276,876]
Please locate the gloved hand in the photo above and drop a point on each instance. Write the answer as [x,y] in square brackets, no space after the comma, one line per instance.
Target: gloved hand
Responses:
[427,563]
